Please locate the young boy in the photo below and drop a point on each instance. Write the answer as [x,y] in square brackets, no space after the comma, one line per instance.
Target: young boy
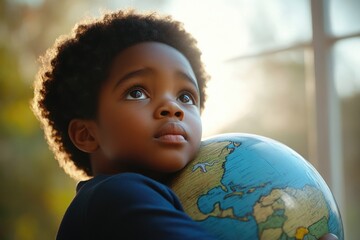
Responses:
[120,102]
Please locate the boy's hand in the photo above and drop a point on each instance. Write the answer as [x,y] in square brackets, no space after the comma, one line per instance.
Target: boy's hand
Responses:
[328,236]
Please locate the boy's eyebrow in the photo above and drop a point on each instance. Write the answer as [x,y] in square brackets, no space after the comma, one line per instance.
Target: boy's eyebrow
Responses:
[131,74]
[187,77]
[143,71]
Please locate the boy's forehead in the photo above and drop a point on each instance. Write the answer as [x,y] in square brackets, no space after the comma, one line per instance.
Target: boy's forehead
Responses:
[143,55]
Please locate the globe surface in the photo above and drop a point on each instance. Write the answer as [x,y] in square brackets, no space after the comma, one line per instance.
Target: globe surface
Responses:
[244,186]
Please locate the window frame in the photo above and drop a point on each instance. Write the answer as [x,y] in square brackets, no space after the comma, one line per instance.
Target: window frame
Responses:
[325,143]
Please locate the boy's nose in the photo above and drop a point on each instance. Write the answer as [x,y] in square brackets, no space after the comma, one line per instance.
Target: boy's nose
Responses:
[170,109]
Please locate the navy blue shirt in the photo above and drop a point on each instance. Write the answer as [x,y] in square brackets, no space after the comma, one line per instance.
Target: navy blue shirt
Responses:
[127,206]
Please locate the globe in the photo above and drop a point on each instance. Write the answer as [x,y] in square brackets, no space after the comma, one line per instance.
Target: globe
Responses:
[244,186]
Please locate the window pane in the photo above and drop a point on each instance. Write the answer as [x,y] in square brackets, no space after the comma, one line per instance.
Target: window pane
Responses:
[347,78]
[347,71]
[266,96]
[344,16]
[239,27]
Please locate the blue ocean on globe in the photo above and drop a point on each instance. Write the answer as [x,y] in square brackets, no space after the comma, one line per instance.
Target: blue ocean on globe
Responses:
[244,186]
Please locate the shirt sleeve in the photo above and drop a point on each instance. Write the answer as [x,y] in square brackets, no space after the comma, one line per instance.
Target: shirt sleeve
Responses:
[131,206]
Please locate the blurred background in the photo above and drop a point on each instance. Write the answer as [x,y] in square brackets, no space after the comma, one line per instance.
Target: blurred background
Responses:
[288,70]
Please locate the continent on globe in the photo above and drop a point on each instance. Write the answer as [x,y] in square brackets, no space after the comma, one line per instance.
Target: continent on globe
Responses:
[211,164]
[290,212]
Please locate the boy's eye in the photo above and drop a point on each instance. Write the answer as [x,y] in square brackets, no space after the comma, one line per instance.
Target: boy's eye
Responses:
[136,94]
[186,98]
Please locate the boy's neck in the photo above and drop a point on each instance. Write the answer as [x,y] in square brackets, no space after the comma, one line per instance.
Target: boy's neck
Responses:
[103,167]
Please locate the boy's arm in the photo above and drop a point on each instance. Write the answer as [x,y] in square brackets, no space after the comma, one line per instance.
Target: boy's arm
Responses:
[132,206]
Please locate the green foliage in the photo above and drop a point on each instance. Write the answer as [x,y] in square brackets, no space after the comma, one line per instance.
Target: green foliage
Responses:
[31,205]
[34,191]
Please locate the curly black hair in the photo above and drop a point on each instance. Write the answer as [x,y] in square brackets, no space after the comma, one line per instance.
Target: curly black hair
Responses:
[74,69]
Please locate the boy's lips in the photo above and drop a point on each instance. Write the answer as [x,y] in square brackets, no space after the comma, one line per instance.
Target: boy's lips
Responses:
[171,132]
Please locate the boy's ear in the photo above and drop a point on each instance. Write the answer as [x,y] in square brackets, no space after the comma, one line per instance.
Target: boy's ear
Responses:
[82,135]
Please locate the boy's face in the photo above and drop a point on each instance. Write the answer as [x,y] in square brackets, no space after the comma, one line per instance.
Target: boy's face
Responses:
[149,111]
